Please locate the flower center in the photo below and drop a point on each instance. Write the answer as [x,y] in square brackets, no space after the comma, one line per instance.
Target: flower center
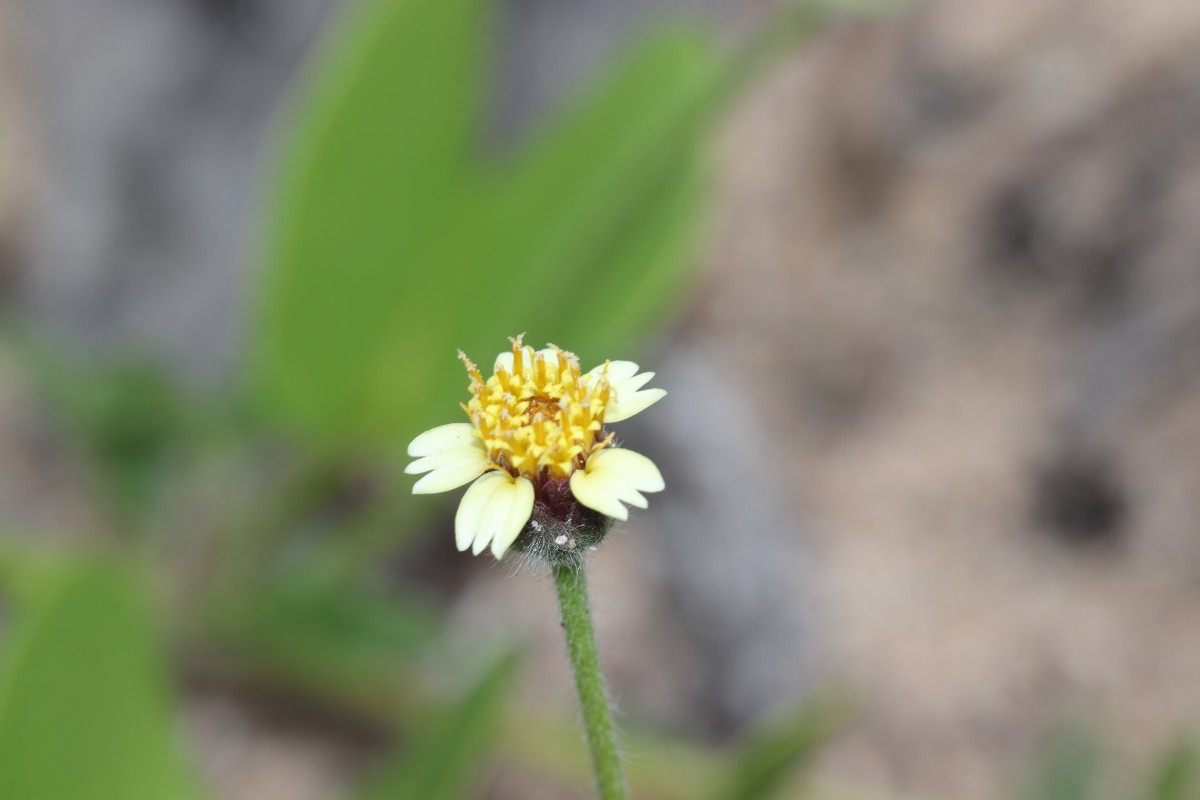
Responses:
[546,406]
[538,415]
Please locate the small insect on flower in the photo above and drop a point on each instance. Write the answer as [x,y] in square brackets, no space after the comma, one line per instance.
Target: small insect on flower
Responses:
[543,470]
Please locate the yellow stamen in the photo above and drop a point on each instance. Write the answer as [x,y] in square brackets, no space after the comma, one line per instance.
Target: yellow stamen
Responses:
[472,370]
[538,422]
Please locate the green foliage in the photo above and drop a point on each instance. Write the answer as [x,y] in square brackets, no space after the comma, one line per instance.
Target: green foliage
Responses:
[446,761]
[83,694]
[1067,767]
[769,757]
[603,208]
[644,268]
[127,417]
[1072,766]
[1177,774]
[320,629]
[374,173]
[131,419]
[395,244]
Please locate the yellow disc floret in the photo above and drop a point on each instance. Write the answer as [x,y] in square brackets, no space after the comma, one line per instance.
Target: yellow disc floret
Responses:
[538,416]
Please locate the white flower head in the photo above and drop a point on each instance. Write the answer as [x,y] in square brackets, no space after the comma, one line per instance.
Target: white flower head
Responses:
[537,453]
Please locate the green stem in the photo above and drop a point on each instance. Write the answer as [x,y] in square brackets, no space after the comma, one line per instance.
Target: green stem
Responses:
[571,585]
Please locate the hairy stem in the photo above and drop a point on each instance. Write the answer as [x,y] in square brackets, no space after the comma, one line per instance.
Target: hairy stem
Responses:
[571,585]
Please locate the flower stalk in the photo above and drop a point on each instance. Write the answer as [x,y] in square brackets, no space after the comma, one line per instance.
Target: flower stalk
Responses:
[570,583]
[547,481]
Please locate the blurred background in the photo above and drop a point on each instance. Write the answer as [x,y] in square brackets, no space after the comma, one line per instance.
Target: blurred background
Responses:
[923,282]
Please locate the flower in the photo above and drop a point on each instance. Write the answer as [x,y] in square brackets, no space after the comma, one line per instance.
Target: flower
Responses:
[537,454]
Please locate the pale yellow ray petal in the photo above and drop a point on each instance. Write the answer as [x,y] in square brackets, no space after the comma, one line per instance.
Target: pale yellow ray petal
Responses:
[632,468]
[622,408]
[619,487]
[597,494]
[617,371]
[632,384]
[498,510]
[445,457]
[470,515]
[511,521]
[453,475]
[443,437]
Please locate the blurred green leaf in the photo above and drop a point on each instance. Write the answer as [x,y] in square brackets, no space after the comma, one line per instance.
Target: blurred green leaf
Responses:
[131,418]
[28,568]
[526,259]
[646,269]
[1177,775]
[127,415]
[84,700]
[446,761]
[393,246]
[593,185]
[324,629]
[1067,768]
[376,169]
[769,757]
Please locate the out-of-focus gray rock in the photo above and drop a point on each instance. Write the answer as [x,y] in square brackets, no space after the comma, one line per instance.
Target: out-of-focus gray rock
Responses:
[153,119]
[727,541]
